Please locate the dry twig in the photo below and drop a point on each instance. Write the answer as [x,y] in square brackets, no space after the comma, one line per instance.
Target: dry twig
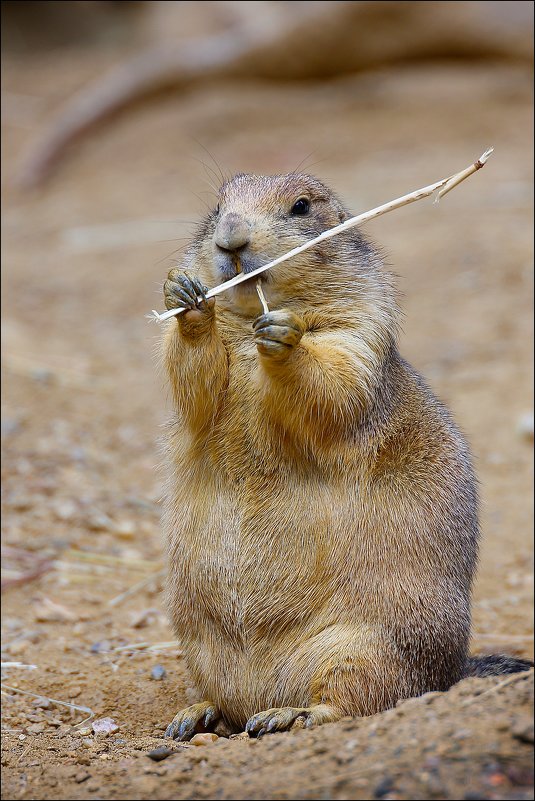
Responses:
[109,559]
[52,700]
[513,679]
[507,637]
[140,585]
[446,184]
[146,646]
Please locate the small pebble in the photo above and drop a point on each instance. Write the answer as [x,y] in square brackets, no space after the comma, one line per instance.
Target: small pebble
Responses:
[99,522]
[104,726]
[143,618]
[18,648]
[101,645]
[42,703]
[430,697]
[524,426]
[462,734]
[37,728]
[523,731]
[65,510]
[154,770]
[385,787]
[162,752]
[42,375]
[158,673]
[496,779]
[204,738]
[10,426]
[13,623]
[81,776]
[125,529]
[21,503]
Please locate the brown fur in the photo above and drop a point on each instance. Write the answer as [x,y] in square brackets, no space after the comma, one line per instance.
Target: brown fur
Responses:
[321,513]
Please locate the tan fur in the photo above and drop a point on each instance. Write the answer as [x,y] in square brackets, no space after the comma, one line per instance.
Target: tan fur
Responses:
[321,513]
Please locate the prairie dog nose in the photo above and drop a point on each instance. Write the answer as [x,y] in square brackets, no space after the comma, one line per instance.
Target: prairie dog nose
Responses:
[232,232]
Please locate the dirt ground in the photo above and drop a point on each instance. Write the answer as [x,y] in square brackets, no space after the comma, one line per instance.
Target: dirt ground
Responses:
[83,403]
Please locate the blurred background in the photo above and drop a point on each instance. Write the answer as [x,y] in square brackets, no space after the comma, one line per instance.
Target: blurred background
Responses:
[119,119]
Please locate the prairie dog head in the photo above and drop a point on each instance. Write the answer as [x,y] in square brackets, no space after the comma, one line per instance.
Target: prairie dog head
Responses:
[258,218]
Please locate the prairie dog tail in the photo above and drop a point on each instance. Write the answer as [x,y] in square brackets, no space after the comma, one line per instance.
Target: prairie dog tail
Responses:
[495,665]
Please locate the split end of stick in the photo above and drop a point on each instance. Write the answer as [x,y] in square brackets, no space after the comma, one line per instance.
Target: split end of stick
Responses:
[456,179]
[161,317]
[484,158]
[262,297]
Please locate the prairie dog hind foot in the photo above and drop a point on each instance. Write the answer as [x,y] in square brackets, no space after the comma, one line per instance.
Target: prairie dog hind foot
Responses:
[273,720]
[198,717]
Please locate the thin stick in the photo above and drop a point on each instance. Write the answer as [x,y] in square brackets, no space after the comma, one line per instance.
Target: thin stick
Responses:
[446,183]
[146,646]
[504,683]
[507,637]
[139,586]
[52,700]
[262,297]
[108,559]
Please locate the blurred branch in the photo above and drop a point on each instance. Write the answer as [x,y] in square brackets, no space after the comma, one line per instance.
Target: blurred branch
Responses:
[291,41]
[154,70]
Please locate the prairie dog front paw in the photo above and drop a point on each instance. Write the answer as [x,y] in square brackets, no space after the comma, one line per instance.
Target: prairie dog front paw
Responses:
[184,291]
[277,333]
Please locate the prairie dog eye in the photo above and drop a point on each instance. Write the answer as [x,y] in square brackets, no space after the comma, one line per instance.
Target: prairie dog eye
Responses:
[300,206]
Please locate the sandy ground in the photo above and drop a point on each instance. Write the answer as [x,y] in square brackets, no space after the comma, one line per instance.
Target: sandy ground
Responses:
[83,403]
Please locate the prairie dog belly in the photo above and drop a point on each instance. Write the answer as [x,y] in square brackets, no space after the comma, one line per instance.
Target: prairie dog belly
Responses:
[256,578]
[257,562]
[202,584]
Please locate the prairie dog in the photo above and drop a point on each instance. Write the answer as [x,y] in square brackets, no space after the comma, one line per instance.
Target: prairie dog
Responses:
[321,513]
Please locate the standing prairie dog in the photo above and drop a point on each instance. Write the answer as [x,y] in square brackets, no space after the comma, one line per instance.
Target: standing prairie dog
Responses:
[321,512]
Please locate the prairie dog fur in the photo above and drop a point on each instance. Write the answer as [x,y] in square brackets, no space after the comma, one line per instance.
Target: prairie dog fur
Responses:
[321,513]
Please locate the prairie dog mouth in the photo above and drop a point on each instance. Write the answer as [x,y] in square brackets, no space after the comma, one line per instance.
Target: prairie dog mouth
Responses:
[236,261]
[243,297]
[240,268]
